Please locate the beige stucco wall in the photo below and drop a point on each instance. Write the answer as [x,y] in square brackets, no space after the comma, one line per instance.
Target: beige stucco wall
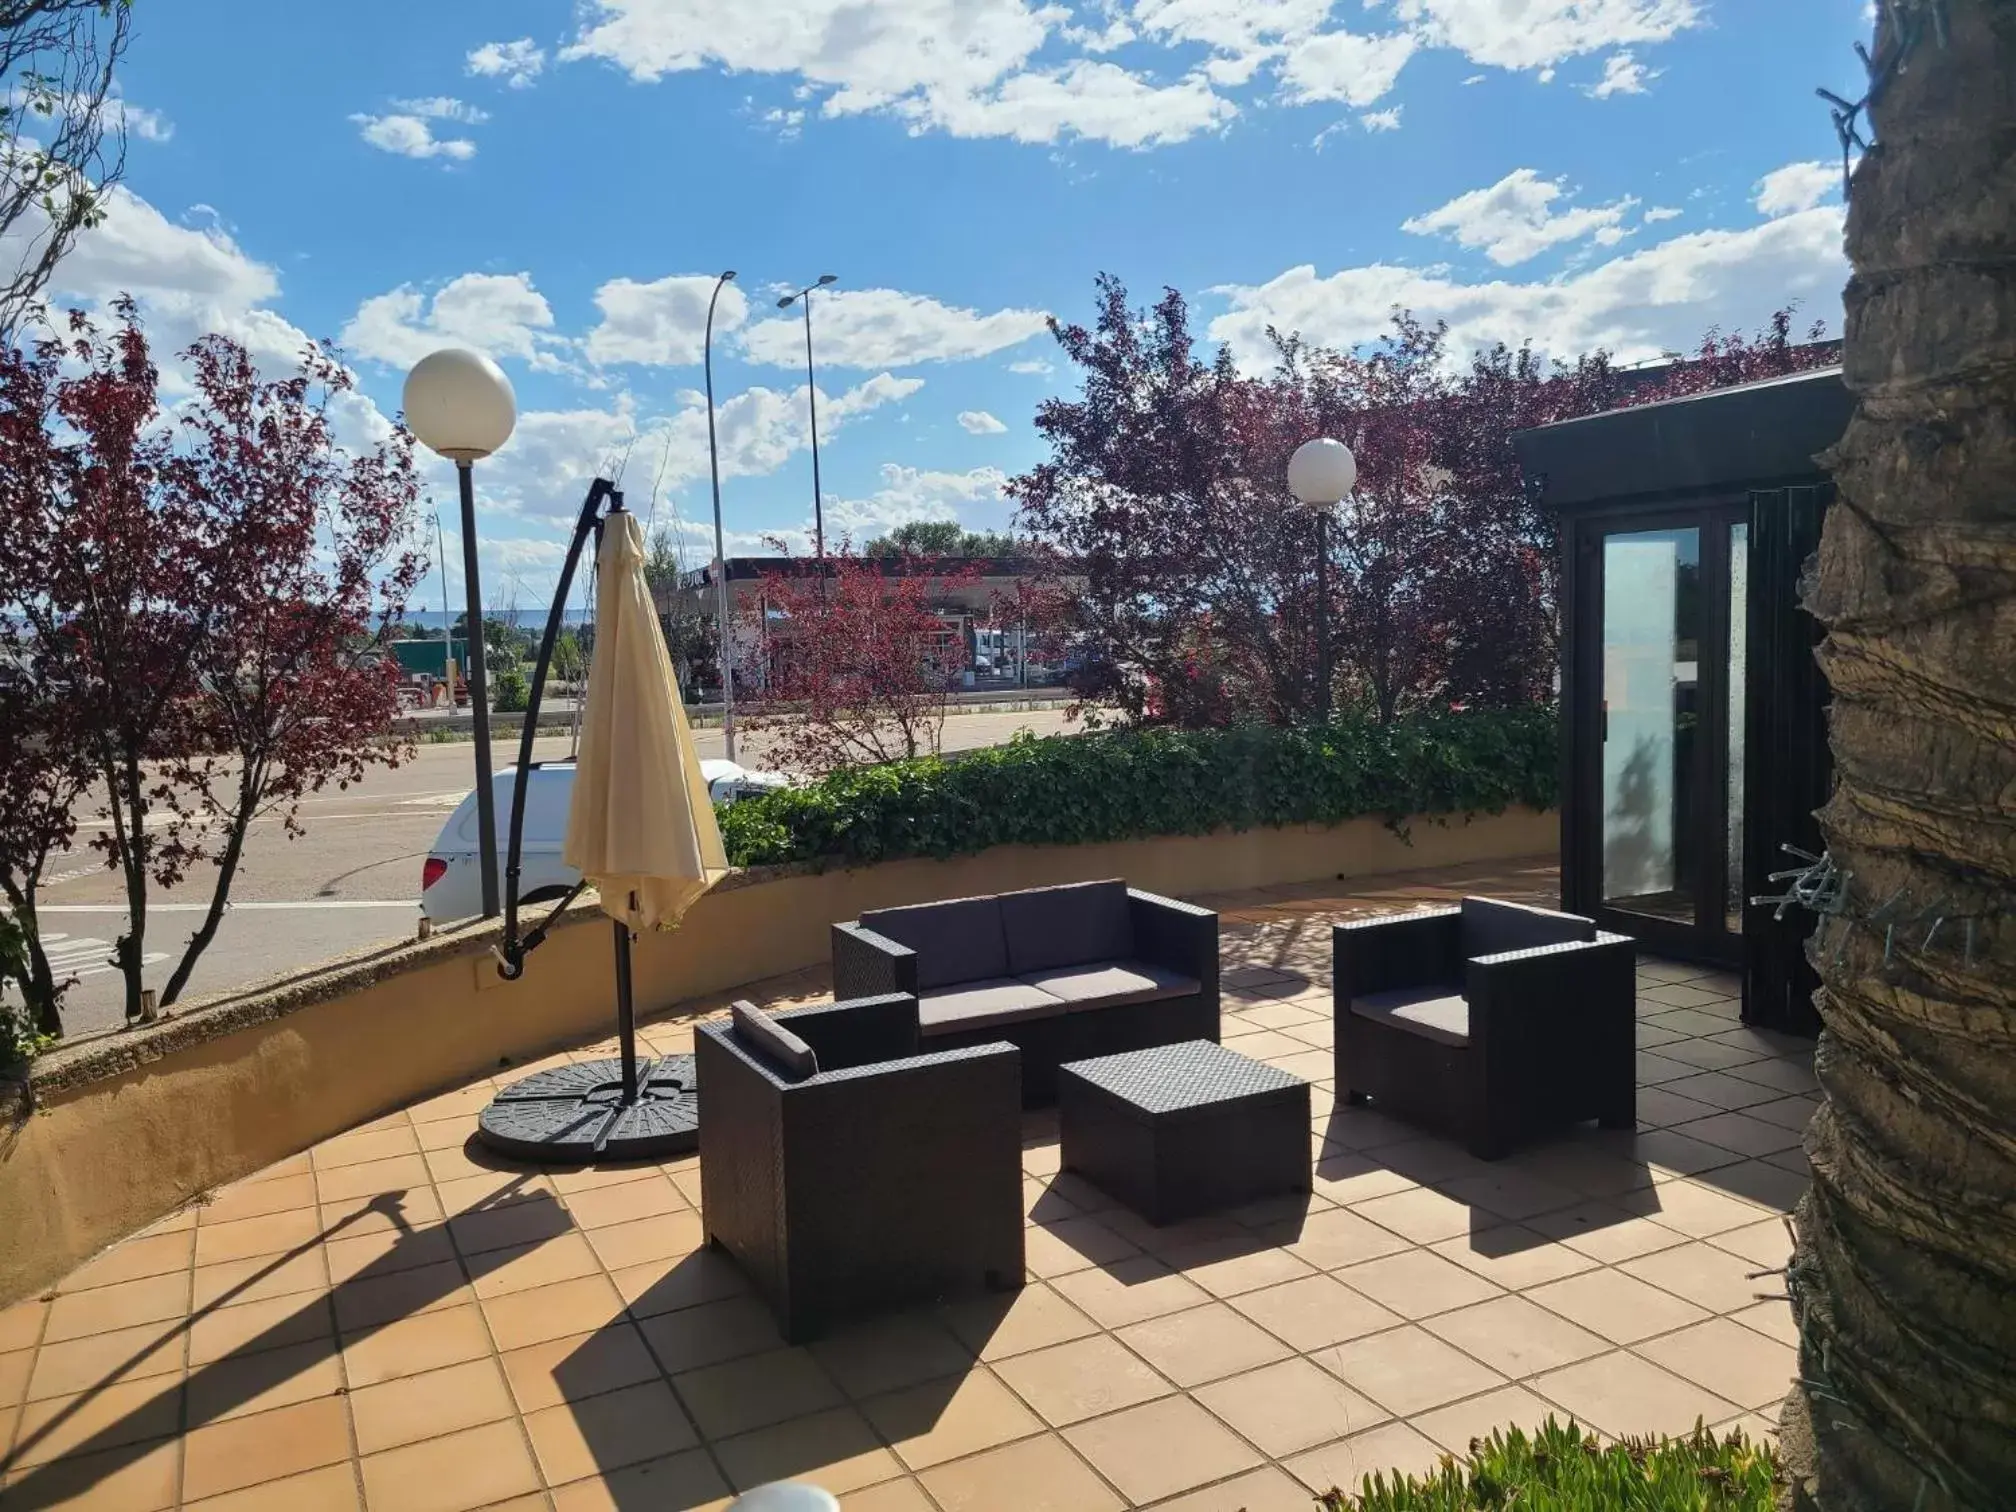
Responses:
[124,1135]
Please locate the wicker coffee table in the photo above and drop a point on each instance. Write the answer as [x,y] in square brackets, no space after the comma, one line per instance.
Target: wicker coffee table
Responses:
[1179,1130]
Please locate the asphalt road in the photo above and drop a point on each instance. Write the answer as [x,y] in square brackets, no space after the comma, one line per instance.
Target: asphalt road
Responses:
[350,883]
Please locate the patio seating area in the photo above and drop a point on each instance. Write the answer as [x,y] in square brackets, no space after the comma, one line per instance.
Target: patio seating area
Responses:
[400,1321]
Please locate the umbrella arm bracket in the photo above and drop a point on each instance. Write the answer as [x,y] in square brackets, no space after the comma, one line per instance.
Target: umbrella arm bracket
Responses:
[513,949]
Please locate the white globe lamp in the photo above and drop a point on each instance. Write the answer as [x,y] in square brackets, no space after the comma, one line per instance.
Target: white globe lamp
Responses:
[1322,472]
[785,1496]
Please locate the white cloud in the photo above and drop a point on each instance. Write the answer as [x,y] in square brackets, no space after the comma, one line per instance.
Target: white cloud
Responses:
[1797,186]
[1095,100]
[498,313]
[1381,120]
[139,121]
[1622,74]
[1032,366]
[1344,66]
[517,63]
[1525,34]
[664,322]
[888,328]
[443,108]
[411,136]
[915,494]
[980,423]
[1515,219]
[1660,213]
[1660,298]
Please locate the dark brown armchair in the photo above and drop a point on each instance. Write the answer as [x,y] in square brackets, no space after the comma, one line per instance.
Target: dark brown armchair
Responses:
[1490,1022]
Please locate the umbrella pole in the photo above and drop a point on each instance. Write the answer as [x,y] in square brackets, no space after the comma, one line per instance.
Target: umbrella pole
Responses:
[626,1012]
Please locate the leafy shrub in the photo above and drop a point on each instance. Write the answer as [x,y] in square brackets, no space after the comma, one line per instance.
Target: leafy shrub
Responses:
[510,693]
[1564,1469]
[1129,784]
[19,1040]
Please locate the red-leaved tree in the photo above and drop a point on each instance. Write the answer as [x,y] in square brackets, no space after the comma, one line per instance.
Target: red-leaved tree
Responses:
[857,666]
[196,590]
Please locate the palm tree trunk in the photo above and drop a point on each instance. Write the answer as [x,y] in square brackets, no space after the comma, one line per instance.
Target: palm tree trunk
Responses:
[1906,1264]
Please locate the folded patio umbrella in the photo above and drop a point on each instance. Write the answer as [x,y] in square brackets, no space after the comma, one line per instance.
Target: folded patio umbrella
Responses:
[642,825]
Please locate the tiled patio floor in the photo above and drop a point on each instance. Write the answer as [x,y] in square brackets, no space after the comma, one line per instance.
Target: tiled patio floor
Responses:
[393,1321]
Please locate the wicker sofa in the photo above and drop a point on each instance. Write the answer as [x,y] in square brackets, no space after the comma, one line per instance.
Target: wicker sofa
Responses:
[1062,973]
[1490,1022]
[847,1172]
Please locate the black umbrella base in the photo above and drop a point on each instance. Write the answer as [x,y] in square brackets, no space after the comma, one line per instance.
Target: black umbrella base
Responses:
[575,1115]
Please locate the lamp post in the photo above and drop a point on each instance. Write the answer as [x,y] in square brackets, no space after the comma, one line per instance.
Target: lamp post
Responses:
[460,405]
[804,295]
[1320,475]
[724,653]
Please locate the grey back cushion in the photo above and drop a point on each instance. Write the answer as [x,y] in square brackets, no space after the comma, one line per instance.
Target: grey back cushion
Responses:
[1075,925]
[769,1041]
[1489,927]
[959,941]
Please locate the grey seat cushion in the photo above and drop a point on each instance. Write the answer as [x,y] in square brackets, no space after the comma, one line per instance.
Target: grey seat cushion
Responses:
[1083,922]
[770,1042]
[1432,1012]
[984,1005]
[1107,984]
[956,941]
[1490,927]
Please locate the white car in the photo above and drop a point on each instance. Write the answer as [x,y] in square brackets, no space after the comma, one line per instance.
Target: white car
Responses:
[451,878]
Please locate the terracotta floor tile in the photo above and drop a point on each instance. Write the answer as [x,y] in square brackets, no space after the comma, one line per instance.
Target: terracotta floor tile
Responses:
[1067,1383]
[1741,1133]
[1508,1192]
[376,1300]
[1516,1337]
[462,1103]
[498,1273]
[663,1236]
[578,1367]
[1603,1231]
[1662,1108]
[1228,1267]
[413,1346]
[14,1368]
[429,1405]
[131,1412]
[469,1469]
[552,1311]
[1193,1237]
[1417,1283]
[1291,1406]
[125,1354]
[527,1219]
[1455,1427]
[1072,1244]
[1794,1076]
[689,1280]
[333,1488]
[1774,1184]
[359,1147]
[454,1162]
[1589,1168]
[997,1327]
[945,1420]
[1406,1370]
[483,1190]
[891,1353]
[624,1204]
[132,1259]
[1656,1067]
[1314,1312]
[1268,1490]
[1431,1160]
[1773,1319]
[1697,1209]
[1620,1307]
[1390,1448]
[255,1199]
[1047,1476]
[607,1432]
[756,1391]
[1512,1256]
[1129,1291]
[1161,1448]
[248,1451]
[347,1183]
[591,1178]
[1620,1394]
[270,1234]
[834,1450]
[124,1304]
[116,1480]
[1204,1344]
[678,1483]
[1705,1275]
[1334,1238]
[711,1333]
[239,1385]
[252,1326]
[353,1257]
[1422,1214]
[261,1279]
[1716,1052]
[1738,1364]
[1342,1176]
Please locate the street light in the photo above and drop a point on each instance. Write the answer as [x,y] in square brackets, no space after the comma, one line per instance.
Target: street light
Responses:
[460,404]
[812,398]
[723,655]
[1320,475]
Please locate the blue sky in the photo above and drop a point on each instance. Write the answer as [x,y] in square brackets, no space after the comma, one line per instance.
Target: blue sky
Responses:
[557,184]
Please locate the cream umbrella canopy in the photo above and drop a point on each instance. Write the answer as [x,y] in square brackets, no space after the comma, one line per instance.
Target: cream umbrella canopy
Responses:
[641,827]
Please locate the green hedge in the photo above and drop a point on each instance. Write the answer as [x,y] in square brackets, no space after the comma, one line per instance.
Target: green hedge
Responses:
[1129,784]
[1563,1469]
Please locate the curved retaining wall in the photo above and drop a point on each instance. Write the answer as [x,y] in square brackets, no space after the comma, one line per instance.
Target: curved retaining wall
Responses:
[122,1131]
